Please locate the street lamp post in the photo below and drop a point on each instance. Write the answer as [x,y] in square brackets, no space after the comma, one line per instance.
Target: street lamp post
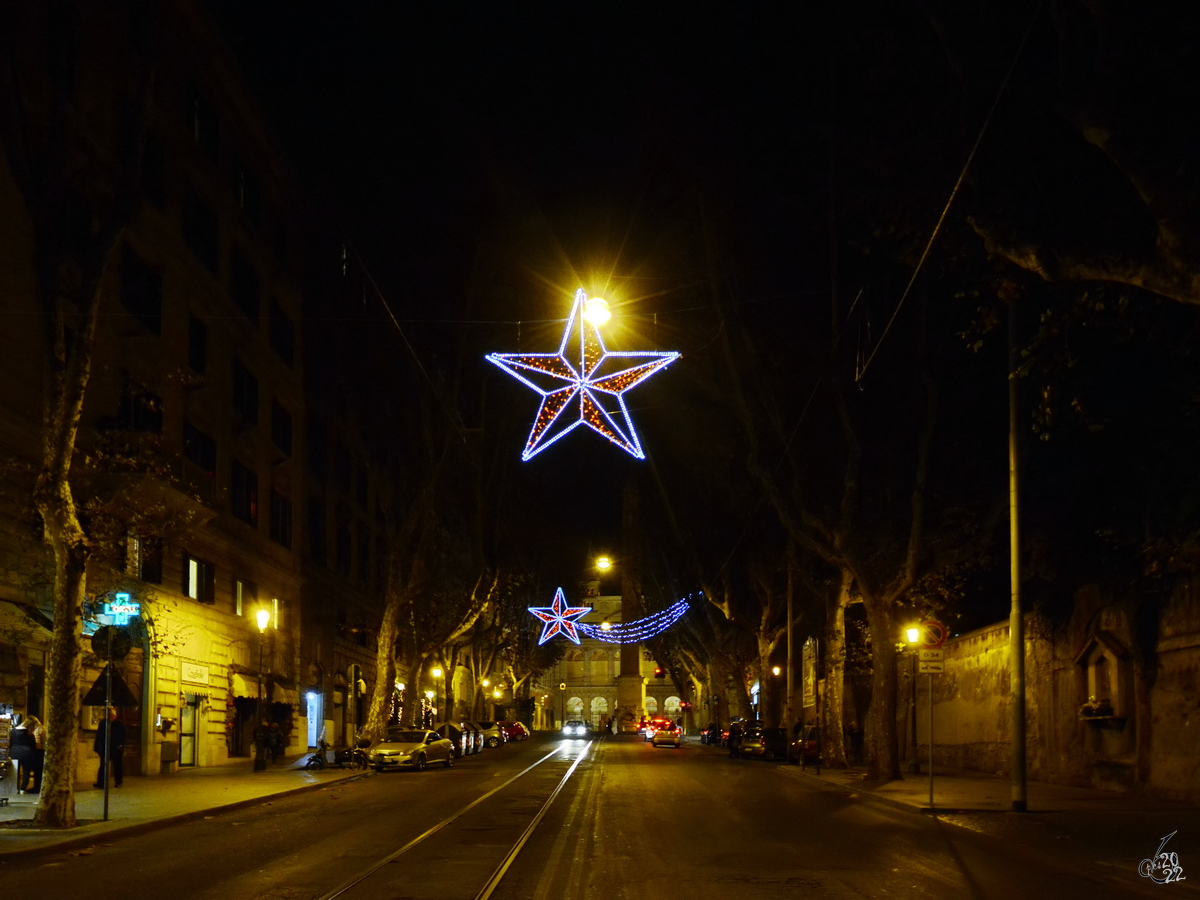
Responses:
[437,692]
[263,617]
[562,703]
[914,764]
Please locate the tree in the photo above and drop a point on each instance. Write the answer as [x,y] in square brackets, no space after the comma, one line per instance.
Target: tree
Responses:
[78,172]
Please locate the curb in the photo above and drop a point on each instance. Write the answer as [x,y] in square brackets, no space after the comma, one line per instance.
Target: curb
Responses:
[77,841]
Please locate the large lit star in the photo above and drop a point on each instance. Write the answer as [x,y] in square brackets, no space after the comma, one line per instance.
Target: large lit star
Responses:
[559,618]
[585,387]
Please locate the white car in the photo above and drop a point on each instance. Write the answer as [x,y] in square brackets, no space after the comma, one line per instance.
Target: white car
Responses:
[410,748]
[667,735]
[575,728]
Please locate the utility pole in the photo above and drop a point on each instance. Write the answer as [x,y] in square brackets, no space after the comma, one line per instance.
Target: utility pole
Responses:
[1016,624]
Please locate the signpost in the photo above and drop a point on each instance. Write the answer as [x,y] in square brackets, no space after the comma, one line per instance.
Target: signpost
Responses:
[930,661]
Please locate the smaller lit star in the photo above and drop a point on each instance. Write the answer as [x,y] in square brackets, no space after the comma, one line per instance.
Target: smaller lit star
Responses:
[559,618]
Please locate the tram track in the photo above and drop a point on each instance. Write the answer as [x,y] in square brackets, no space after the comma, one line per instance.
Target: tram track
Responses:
[501,814]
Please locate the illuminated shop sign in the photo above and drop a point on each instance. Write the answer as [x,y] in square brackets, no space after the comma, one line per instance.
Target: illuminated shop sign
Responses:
[121,608]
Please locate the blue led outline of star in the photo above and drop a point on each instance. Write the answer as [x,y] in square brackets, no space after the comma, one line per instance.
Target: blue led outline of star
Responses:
[583,382]
[559,618]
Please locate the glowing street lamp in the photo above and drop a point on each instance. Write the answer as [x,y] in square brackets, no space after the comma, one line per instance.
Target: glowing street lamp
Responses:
[596,311]
[913,633]
[604,563]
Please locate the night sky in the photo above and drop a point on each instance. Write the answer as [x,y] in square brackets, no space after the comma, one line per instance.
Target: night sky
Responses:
[491,158]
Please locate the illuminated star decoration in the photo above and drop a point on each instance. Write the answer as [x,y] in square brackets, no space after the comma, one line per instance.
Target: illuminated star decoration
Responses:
[638,630]
[582,384]
[559,618]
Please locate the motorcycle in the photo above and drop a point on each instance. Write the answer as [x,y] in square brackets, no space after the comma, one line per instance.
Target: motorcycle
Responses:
[350,757]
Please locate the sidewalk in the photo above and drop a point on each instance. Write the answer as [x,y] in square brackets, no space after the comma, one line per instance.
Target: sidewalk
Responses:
[143,803]
[969,792]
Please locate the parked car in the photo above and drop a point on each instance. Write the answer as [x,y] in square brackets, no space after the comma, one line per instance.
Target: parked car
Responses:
[668,734]
[712,733]
[805,748]
[412,748]
[575,728]
[514,731]
[474,738]
[453,732]
[764,743]
[493,734]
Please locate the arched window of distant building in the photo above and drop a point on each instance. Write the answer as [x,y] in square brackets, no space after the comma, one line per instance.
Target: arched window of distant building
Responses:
[651,706]
[574,708]
[671,707]
[599,708]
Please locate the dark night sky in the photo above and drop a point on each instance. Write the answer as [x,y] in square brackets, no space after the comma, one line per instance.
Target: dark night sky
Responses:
[570,140]
[492,158]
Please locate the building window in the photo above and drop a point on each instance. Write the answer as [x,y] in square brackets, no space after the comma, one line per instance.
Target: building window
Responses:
[245,393]
[198,579]
[200,463]
[316,449]
[364,556]
[342,560]
[281,520]
[316,530]
[343,471]
[141,291]
[281,428]
[283,339]
[140,411]
[361,486]
[154,168]
[200,231]
[143,559]
[245,595]
[243,286]
[245,186]
[200,449]
[197,345]
[243,494]
[202,119]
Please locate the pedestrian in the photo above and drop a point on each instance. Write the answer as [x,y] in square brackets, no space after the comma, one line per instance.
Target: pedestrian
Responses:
[39,753]
[22,748]
[856,744]
[734,739]
[274,742]
[114,728]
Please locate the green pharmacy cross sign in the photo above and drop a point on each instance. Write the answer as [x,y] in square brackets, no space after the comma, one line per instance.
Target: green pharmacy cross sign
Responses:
[121,608]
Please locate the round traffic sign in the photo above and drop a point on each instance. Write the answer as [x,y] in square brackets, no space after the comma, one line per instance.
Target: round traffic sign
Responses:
[933,634]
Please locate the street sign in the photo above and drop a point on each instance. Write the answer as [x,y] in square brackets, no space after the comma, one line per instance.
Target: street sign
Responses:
[933,633]
[936,667]
[926,655]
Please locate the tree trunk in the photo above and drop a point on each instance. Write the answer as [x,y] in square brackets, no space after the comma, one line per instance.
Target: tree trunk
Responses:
[56,805]
[833,743]
[882,748]
[385,674]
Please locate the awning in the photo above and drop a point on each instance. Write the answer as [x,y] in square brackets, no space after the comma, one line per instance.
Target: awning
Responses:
[283,695]
[245,686]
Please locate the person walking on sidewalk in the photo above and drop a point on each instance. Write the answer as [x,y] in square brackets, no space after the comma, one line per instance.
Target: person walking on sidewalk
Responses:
[116,746]
[22,747]
[39,751]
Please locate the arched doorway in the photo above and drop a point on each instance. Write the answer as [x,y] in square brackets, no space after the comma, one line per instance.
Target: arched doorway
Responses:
[599,710]
[574,708]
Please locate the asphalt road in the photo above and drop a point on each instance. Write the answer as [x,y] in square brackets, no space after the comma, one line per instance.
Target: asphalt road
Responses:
[632,821]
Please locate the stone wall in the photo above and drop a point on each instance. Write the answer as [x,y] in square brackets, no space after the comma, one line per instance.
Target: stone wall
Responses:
[1141,731]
